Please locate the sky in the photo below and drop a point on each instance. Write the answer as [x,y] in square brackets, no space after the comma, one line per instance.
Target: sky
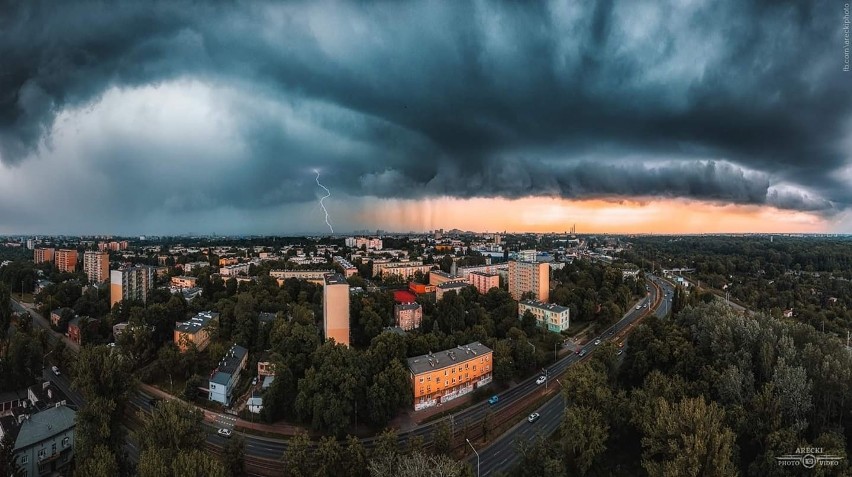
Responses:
[617,117]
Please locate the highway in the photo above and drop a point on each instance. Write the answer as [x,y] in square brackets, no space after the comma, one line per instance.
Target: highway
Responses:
[500,455]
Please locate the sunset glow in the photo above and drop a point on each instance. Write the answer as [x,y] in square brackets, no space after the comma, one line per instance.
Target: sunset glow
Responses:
[536,214]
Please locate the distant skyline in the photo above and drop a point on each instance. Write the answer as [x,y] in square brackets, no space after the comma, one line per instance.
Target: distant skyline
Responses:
[637,117]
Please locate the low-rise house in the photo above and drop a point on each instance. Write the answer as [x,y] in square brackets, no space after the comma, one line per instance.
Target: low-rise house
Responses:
[446,375]
[408,316]
[550,316]
[184,282]
[265,366]
[75,328]
[194,331]
[225,377]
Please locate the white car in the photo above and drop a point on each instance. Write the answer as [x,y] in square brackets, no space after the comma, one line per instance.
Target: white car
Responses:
[224,432]
[597,342]
[540,380]
[55,370]
[638,307]
[533,417]
[254,382]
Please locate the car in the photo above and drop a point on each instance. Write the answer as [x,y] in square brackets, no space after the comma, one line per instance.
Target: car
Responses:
[533,417]
[597,342]
[55,370]
[621,345]
[224,433]
[540,380]
[638,307]
[619,352]
[493,399]
[582,353]
[254,381]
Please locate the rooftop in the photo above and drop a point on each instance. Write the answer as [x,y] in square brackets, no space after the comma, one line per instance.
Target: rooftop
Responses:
[408,306]
[447,358]
[335,279]
[197,322]
[453,284]
[44,424]
[484,274]
[229,365]
[265,318]
[545,306]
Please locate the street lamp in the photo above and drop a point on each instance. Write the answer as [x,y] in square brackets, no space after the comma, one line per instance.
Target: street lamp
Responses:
[477,456]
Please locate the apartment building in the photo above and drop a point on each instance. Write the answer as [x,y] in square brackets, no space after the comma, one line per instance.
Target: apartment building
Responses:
[41,255]
[133,283]
[225,377]
[96,266]
[335,308]
[195,331]
[404,270]
[369,243]
[188,267]
[184,282]
[455,285]
[408,316]
[499,269]
[446,375]
[234,269]
[313,276]
[547,315]
[113,246]
[483,281]
[437,277]
[348,268]
[532,277]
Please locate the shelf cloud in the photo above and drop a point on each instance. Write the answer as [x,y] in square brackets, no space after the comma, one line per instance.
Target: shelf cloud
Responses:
[741,102]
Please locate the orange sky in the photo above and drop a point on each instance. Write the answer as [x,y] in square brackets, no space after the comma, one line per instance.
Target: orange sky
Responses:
[541,214]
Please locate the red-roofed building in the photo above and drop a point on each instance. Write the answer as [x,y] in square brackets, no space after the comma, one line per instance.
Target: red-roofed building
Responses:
[402,296]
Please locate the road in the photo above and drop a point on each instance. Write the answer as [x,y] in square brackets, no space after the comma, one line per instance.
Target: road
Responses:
[500,455]
[265,450]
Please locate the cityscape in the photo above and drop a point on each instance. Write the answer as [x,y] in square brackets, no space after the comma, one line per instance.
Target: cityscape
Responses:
[425,239]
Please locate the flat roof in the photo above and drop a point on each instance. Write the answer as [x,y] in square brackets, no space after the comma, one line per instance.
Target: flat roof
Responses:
[545,306]
[408,306]
[197,322]
[335,279]
[229,364]
[485,274]
[454,284]
[446,358]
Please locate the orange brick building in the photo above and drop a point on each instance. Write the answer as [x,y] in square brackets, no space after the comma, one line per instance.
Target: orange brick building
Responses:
[335,308]
[66,260]
[195,331]
[96,266]
[184,282]
[446,375]
[43,255]
[533,277]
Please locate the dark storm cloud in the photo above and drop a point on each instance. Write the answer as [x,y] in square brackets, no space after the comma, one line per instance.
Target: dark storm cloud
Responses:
[578,99]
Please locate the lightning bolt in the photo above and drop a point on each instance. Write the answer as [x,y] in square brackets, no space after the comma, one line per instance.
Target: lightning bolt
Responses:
[327,195]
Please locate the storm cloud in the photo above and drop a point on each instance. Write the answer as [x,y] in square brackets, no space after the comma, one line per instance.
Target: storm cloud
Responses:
[735,101]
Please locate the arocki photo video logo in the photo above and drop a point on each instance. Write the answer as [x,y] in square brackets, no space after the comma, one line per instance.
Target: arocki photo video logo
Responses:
[809,457]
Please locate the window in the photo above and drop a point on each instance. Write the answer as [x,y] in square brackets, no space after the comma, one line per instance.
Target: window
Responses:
[445,372]
[25,458]
[474,367]
[53,450]
[40,453]
[421,380]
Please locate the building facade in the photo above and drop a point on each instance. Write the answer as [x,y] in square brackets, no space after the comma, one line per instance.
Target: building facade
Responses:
[66,260]
[184,282]
[532,277]
[335,308]
[456,286]
[134,283]
[403,270]
[446,375]
[225,377]
[234,270]
[547,315]
[483,281]
[348,268]
[194,331]
[45,442]
[408,316]
[41,255]
[96,266]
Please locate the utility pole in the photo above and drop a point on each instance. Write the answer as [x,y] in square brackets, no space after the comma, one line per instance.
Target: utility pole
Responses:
[477,456]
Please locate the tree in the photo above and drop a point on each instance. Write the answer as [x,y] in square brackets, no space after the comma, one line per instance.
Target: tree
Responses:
[5,310]
[442,437]
[8,463]
[190,390]
[326,397]
[171,428]
[297,458]
[584,437]
[329,457]
[390,391]
[196,463]
[688,438]
[538,458]
[355,457]
[102,463]
[417,464]
[104,379]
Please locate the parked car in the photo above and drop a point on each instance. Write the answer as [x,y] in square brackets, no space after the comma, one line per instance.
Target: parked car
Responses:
[533,417]
[55,370]
[224,432]
[493,399]
[540,380]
